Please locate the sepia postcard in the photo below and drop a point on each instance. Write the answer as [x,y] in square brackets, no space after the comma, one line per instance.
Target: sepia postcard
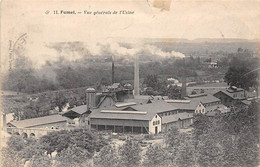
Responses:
[133,83]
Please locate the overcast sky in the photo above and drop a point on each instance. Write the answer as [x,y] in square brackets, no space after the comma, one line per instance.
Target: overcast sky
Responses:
[186,19]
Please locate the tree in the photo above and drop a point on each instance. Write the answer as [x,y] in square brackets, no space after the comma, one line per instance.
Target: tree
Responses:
[209,152]
[152,81]
[10,158]
[228,140]
[34,149]
[60,101]
[172,137]
[174,92]
[130,154]
[157,156]
[185,156]
[81,138]
[16,143]
[107,157]
[241,70]
[72,156]
[40,161]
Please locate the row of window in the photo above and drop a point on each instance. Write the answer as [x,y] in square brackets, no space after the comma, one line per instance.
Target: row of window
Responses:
[201,110]
[236,95]
[156,122]
[169,113]
[211,104]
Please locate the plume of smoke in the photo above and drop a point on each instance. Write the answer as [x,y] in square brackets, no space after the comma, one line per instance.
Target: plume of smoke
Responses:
[115,49]
[72,51]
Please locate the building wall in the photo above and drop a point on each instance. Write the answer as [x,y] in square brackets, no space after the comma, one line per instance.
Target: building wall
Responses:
[200,109]
[119,122]
[108,102]
[155,122]
[225,100]
[167,113]
[180,124]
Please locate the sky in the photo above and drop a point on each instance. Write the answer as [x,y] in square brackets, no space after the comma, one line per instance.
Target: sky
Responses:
[185,19]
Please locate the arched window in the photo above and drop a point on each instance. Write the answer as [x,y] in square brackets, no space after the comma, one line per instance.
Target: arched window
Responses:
[32,135]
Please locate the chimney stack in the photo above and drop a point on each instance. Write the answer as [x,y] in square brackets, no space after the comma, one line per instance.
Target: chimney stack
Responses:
[136,76]
[183,89]
[113,70]
[90,98]
[4,121]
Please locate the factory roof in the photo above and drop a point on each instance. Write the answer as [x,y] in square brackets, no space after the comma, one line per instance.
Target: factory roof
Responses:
[214,107]
[193,101]
[176,117]
[79,109]
[157,106]
[30,123]
[231,94]
[122,114]
[136,112]
[204,98]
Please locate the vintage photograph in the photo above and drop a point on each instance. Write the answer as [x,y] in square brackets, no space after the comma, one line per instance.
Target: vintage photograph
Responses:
[148,83]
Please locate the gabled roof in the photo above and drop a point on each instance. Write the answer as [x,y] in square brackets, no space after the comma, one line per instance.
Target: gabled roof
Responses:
[30,123]
[214,107]
[194,102]
[138,101]
[204,98]
[121,114]
[176,117]
[230,93]
[157,107]
[150,109]
[79,109]
[103,99]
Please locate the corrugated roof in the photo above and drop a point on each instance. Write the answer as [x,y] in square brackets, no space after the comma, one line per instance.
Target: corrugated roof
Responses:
[218,106]
[194,102]
[127,116]
[231,93]
[27,123]
[123,112]
[176,117]
[151,110]
[156,106]
[79,109]
[204,99]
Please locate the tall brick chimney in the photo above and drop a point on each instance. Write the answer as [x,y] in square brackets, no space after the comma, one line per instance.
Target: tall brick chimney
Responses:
[136,76]
[4,121]
[183,78]
[113,71]
[183,88]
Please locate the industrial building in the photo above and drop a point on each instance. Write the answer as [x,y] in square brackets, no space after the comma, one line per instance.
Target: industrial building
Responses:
[231,96]
[51,122]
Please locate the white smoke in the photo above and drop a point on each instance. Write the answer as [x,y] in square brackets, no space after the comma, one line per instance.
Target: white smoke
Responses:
[114,48]
[72,51]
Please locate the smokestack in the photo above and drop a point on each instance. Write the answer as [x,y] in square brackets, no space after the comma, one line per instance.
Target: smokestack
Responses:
[4,121]
[113,71]
[90,98]
[183,89]
[136,77]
